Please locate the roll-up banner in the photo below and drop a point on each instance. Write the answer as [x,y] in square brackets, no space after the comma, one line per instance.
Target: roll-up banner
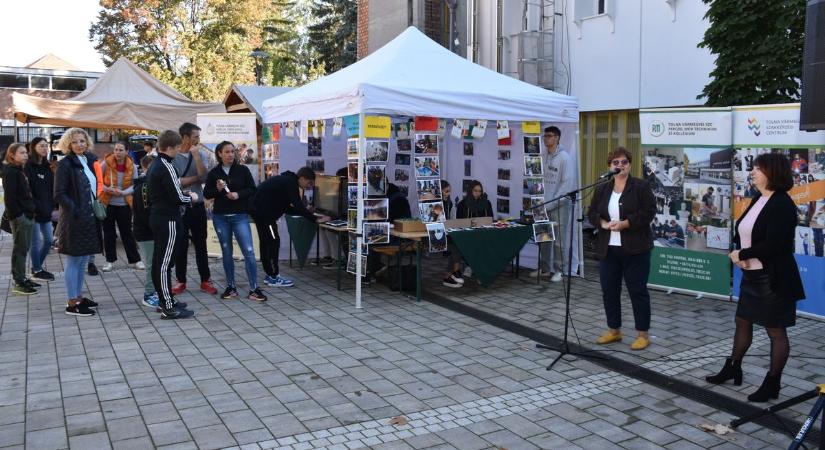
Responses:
[775,129]
[688,159]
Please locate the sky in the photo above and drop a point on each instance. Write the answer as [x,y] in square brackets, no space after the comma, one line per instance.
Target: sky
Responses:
[60,27]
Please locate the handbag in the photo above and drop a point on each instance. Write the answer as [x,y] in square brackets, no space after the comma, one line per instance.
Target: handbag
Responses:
[99,209]
[5,224]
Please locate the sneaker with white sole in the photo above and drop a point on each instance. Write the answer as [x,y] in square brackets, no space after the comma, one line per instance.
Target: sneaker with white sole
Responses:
[107,267]
[79,310]
[451,283]
[278,281]
[540,273]
[456,276]
[151,300]
[139,266]
[556,277]
[468,272]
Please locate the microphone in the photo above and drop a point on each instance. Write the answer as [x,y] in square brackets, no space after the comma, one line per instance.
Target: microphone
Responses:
[609,173]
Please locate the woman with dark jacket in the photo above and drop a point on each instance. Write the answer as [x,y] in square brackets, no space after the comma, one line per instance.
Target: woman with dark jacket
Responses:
[75,186]
[623,209]
[41,182]
[20,210]
[232,186]
[475,203]
[771,284]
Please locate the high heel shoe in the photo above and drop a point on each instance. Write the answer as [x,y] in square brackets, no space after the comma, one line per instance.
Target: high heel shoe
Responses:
[769,389]
[731,370]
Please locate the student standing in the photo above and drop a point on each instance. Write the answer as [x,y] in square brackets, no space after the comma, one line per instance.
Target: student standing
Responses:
[231,185]
[191,164]
[142,230]
[41,183]
[20,210]
[165,201]
[119,173]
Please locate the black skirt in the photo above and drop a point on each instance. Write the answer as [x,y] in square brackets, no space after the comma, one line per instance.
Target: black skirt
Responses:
[758,303]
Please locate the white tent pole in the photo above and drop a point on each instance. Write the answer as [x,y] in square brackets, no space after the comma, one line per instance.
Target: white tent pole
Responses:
[359,223]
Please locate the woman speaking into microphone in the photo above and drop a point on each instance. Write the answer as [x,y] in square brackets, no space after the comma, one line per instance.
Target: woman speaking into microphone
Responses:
[771,284]
[623,209]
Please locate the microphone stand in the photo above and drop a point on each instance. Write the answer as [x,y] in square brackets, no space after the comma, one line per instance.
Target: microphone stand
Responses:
[564,348]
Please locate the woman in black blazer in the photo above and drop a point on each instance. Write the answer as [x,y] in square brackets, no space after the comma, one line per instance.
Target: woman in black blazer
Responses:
[623,210]
[771,284]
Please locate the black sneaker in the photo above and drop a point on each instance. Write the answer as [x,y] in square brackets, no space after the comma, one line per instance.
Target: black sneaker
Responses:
[456,276]
[229,292]
[256,295]
[32,284]
[43,275]
[176,305]
[175,313]
[23,289]
[450,283]
[91,269]
[87,302]
[79,309]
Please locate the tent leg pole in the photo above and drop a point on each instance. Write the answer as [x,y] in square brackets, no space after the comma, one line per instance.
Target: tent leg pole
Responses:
[359,223]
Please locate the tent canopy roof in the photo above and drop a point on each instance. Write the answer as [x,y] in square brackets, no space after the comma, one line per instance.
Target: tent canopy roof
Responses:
[251,98]
[414,76]
[125,96]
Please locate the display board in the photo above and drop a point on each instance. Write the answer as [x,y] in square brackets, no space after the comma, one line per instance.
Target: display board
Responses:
[687,162]
[775,128]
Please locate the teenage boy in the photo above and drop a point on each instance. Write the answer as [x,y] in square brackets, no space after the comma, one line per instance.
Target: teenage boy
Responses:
[165,201]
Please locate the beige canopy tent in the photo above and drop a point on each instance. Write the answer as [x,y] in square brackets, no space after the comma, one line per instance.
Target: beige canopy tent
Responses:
[125,97]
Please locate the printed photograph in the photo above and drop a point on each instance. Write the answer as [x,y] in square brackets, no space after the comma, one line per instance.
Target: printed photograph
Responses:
[352,195]
[376,209]
[353,244]
[317,165]
[504,174]
[352,148]
[532,145]
[352,219]
[245,153]
[402,130]
[377,151]
[503,206]
[352,264]
[503,190]
[352,172]
[314,147]
[377,232]
[402,159]
[426,144]
[429,190]
[664,167]
[702,165]
[543,232]
[270,170]
[526,203]
[672,233]
[404,145]
[533,186]
[533,166]
[402,174]
[539,214]
[437,237]
[468,149]
[272,152]
[504,155]
[427,166]
[431,212]
[468,167]
[376,180]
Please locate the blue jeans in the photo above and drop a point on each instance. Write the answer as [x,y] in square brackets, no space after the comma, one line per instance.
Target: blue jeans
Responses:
[41,242]
[75,269]
[237,224]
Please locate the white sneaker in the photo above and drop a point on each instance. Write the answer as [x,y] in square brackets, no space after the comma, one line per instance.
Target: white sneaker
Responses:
[556,277]
[538,273]
[468,272]
[108,267]
[139,265]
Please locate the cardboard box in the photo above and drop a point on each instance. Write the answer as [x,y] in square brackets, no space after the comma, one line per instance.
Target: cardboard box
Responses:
[409,226]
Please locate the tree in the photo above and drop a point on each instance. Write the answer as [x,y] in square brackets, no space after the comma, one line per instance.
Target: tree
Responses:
[291,61]
[334,32]
[199,47]
[758,47]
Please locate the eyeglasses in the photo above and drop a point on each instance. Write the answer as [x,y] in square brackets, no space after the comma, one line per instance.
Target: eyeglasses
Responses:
[620,162]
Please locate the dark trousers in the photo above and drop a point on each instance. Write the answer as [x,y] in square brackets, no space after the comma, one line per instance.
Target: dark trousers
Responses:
[122,217]
[819,241]
[269,243]
[166,233]
[193,226]
[634,269]
[21,231]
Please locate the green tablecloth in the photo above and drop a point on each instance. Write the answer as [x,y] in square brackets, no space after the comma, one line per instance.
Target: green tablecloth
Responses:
[301,233]
[489,250]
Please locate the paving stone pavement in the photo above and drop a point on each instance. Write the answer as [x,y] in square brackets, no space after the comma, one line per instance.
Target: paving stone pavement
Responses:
[308,370]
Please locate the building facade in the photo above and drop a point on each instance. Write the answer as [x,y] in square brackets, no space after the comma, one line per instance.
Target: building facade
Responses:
[614,56]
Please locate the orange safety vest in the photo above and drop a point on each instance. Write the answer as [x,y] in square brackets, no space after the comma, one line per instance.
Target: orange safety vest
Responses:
[110,178]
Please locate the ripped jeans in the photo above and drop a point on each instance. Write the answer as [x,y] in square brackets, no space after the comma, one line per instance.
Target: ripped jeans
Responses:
[238,224]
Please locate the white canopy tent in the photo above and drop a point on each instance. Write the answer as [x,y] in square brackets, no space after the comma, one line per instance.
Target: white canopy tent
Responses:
[125,97]
[414,76]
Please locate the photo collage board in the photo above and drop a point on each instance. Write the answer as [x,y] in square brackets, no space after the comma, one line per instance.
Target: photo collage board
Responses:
[271,154]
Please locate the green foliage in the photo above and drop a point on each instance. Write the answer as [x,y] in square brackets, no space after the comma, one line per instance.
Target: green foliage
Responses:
[291,61]
[333,34]
[758,48]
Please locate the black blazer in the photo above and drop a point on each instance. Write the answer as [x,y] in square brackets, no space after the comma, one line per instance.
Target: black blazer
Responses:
[636,204]
[772,243]
[239,180]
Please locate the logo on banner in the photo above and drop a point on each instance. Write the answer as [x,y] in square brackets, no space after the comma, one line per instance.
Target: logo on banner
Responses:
[753,125]
[656,128]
